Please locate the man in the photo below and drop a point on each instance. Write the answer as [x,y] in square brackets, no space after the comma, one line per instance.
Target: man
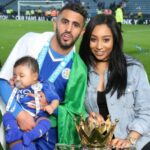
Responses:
[119,15]
[58,63]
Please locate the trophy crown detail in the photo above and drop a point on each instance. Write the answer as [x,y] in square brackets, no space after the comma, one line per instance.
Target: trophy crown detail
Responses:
[93,135]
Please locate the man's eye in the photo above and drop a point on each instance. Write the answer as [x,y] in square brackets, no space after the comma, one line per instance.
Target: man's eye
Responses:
[64,21]
[76,25]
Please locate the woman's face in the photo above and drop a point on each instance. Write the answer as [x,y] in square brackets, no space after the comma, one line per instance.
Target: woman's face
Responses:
[101,42]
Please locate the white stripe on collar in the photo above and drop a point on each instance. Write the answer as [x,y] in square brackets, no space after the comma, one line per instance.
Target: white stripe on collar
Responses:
[53,58]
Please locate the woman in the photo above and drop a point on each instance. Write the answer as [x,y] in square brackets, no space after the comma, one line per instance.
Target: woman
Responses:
[117,84]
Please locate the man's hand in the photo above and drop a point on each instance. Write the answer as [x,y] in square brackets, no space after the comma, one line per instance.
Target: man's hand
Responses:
[25,121]
[11,82]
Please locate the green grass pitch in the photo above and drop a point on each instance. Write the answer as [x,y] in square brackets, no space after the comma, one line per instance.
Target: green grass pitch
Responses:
[136,38]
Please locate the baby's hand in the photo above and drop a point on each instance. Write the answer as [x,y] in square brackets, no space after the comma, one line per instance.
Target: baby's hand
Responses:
[42,99]
[49,109]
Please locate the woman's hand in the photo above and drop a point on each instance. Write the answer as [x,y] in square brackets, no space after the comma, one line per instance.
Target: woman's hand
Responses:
[96,119]
[119,144]
[25,121]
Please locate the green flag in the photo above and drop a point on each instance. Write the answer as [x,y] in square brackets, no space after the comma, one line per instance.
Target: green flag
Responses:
[73,104]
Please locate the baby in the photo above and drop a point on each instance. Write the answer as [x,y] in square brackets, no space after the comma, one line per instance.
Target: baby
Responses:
[25,76]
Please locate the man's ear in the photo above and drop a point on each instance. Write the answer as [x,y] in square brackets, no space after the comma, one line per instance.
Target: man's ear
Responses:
[82,32]
[54,24]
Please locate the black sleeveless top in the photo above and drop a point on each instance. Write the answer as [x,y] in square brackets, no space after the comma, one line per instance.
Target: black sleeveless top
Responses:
[102,105]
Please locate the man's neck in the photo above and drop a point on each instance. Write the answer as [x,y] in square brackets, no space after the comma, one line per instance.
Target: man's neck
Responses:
[56,47]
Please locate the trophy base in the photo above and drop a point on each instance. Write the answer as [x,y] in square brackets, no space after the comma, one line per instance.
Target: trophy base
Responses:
[78,147]
[96,148]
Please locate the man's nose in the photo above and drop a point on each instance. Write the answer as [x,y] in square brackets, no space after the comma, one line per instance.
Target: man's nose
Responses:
[69,27]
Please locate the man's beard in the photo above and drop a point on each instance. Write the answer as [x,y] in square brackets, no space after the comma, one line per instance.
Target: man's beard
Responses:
[64,47]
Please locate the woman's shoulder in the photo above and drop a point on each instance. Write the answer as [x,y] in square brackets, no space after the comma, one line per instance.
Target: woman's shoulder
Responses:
[133,62]
[135,68]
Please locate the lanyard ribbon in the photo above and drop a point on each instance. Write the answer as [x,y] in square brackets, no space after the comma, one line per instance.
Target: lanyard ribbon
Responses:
[59,68]
[10,100]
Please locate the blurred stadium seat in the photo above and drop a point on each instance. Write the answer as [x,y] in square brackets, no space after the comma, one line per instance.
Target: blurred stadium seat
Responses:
[132,6]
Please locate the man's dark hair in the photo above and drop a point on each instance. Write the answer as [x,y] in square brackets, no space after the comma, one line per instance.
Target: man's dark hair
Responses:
[28,61]
[76,7]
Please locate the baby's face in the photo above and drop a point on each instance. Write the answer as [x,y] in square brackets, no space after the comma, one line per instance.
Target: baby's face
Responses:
[24,76]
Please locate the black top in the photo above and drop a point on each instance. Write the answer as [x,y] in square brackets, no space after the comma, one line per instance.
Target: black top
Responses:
[102,105]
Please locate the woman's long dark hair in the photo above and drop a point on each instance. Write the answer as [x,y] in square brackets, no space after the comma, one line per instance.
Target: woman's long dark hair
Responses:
[117,70]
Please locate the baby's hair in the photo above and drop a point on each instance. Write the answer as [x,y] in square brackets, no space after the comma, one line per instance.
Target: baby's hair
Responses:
[28,61]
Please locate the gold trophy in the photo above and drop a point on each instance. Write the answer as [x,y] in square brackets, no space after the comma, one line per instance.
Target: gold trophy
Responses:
[94,136]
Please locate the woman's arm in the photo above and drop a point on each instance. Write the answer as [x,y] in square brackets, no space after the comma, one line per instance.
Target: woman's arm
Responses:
[127,142]
[141,123]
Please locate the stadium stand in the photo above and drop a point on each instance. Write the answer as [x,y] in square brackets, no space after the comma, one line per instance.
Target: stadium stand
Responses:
[91,7]
[132,6]
[9,3]
[135,5]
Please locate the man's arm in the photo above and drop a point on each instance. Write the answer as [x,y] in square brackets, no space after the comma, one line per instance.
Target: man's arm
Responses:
[5,92]
[25,121]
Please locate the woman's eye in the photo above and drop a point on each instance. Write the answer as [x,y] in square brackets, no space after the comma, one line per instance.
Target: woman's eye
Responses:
[106,40]
[93,39]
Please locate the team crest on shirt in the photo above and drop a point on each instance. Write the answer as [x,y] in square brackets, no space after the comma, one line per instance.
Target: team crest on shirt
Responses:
[66,73]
